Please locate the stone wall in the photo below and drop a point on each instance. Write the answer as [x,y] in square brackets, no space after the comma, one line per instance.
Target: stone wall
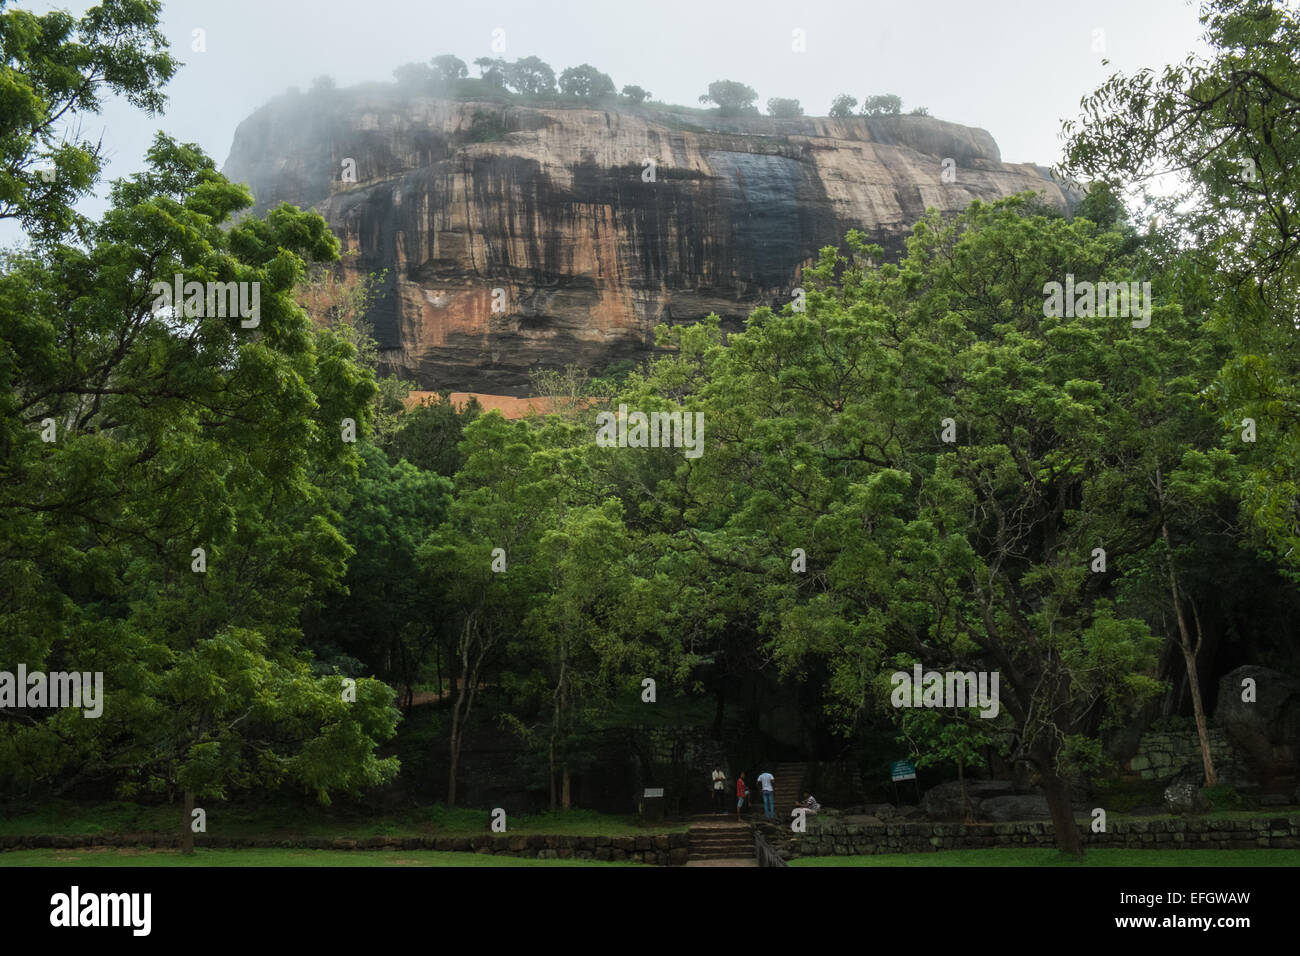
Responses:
[663,849]
[1164,756]
[826,838]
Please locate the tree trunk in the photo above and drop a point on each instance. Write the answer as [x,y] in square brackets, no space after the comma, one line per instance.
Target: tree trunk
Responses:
[550,764]
[564,788]
[457,707]
[968,812]
[454,755]
[187,827]
[1211,778]
[557,715]
[1057,791]
[1190,652]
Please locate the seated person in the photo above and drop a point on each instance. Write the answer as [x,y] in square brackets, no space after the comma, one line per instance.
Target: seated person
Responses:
[809,803]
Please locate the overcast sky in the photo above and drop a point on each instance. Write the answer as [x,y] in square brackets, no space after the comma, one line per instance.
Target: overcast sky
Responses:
[1013,67]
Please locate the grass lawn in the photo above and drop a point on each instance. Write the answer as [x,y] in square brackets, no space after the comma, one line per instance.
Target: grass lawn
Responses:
[1046,856]
[1265,814]
[112,856]
[63,818]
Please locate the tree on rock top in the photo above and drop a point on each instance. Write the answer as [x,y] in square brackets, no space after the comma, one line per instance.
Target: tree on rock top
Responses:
[492,70]
[731,98]
[887,104]
[783,108]
[530,75]
[586,80]
[448,68]
[842,106]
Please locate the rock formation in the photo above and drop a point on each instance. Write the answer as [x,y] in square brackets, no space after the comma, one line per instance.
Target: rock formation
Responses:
[589,226]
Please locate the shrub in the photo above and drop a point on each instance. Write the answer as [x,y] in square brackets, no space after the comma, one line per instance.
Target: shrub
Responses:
[1223,798]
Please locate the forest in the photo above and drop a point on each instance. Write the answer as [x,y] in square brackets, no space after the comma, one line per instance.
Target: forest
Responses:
[268,551]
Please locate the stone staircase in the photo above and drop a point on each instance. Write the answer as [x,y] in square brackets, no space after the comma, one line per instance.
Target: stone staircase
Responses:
[789,784]
[720,841]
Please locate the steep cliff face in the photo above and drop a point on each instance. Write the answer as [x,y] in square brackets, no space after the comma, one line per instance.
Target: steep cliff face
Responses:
[589,245]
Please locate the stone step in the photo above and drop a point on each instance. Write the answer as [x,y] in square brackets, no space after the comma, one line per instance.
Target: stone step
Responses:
[750,862]
[700,839]
[726,836]
[720,842]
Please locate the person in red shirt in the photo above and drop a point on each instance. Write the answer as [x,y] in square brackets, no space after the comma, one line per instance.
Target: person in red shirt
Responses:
[742,793]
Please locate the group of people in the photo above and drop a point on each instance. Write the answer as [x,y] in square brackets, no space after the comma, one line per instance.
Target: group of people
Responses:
[767,783]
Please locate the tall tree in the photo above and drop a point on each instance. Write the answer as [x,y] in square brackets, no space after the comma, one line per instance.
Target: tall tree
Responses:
[1226,126]
[886,104]
[731,98]
[842,106]
[586,81]
[478,560]
[492,70]
[530,75]
[448,69]
[172,467]
[54,70]
[783,108]
[973,552]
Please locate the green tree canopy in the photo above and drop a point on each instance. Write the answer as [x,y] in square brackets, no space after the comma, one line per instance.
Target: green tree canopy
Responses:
[1227,126]
[731,98]
[587,81]
[448,68]
[886,104]
[783,108]
[842,106]
[530,75]
[54,69]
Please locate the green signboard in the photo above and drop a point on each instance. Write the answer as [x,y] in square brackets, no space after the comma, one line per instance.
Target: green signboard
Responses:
[902,770]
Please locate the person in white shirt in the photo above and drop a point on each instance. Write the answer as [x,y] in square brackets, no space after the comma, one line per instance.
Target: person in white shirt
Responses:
[768,783]
[810,804]
[719,787]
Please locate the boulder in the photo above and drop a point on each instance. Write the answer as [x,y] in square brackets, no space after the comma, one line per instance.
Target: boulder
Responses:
[1184,797]
[944,802]
[1265,731]
[1026,806]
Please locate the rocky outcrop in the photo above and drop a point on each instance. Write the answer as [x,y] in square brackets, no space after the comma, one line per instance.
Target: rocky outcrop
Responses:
[1259,710]
[585,228]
